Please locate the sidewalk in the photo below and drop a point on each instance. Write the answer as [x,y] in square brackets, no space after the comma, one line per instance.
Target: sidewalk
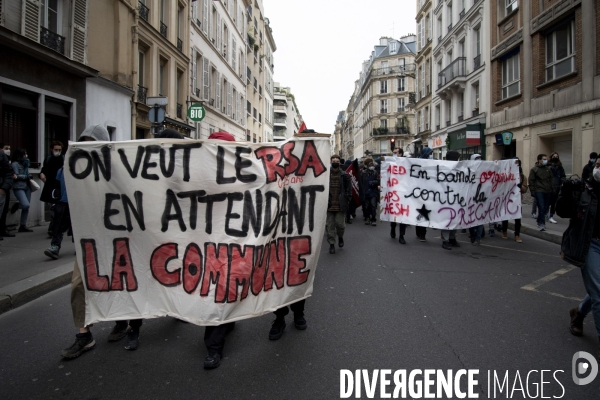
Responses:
[553,232]
[26,273]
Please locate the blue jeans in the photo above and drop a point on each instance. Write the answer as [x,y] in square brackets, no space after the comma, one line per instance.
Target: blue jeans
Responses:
[24,197]
[591,279]
[543,201]
[476,232]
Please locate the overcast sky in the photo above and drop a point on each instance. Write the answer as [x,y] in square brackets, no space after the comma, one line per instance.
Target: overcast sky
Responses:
[321,45]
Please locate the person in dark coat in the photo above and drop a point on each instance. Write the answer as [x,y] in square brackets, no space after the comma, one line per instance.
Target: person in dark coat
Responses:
[541,183]
[5,149]
[340,193]
[50,191]
[370,191]
[6,179]
[558,175]
[581,247]
[21,187]
[589,167]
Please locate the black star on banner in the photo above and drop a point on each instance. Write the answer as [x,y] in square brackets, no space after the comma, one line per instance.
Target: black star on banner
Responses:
[424,212]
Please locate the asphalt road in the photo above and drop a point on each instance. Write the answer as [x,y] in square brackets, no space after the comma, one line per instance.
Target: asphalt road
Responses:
[376,304]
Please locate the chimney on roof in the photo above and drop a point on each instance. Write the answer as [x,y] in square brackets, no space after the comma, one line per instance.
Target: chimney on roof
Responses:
[383,41]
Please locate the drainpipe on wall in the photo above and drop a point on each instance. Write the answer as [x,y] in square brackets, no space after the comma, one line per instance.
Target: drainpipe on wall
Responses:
[134,63]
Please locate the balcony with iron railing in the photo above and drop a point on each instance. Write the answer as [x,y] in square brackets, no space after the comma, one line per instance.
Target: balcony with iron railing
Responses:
[477,62]
[407,69]
[462,14]
[448,123]
[380,131]
[402,130]
[452,76]
[52,40]
[450,27]
[142,93]
[179,44]
[143,10]
[179,111]
[460,118]
[439,39]
[163,29]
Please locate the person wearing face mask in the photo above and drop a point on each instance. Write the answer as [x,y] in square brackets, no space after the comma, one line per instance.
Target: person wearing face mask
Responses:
[588,169]
[522,185]
[558,175]
[6,181]
[581,247]
[21,188]
[51,191]
[370,192]
[541,184]
[340,193]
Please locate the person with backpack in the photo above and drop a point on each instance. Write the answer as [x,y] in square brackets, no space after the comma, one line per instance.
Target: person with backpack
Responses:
[581,247]
[51,192]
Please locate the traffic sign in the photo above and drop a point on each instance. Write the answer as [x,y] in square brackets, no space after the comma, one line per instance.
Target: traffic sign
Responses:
[156,115]
[196,112]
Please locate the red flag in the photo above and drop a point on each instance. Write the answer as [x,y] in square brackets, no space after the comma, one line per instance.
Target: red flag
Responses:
[352,171]
[302,128]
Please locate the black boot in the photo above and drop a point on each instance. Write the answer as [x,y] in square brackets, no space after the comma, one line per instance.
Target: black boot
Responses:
[393,232]
[341,241]
[332,249]
[402,241]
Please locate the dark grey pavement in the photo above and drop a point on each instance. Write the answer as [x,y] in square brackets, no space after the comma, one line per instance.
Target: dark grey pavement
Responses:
[26,273]
[376,304]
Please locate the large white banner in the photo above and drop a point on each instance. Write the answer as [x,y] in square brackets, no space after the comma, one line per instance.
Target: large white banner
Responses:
[208,231]
[449,195]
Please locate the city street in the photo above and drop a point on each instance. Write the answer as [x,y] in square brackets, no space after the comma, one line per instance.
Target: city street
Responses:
[376,304]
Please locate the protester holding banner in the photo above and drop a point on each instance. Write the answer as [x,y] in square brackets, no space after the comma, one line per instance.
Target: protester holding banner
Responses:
[421,231]
[541,184]
[84,340]
[51,191]
[340,193]
[523,187]
[398,152]
[449,236]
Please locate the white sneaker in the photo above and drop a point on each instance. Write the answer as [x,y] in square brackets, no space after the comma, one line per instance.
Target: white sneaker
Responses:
[542,227]
[552,220]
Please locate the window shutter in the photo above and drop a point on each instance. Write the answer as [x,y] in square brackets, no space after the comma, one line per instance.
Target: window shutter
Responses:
[237,105]
[233,54]
[194,75]
[218,90]
[205,79]
[219,28]
[205,17]
[210,23]
[30,20]
[79,31]
[229,99]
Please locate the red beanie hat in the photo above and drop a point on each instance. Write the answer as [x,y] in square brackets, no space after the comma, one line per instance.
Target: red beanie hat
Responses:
[222,136]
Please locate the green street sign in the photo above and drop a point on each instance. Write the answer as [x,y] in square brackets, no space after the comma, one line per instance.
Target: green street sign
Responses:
[196,112]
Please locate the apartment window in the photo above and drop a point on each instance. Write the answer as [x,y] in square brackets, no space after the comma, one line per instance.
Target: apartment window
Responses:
[162,77]
[254,112]
[476,99]
[383,146]
[393,47]
[384,106]
[248,107]
[50,13]
[560,54]
[260,118]
[510,76]
[511,5]
[383,123]
[383,87]
[401,104]
[401,86]
[163,6]
[461,105]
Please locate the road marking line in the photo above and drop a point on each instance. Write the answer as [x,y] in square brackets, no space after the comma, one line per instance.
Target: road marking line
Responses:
[508,248]
[534,285]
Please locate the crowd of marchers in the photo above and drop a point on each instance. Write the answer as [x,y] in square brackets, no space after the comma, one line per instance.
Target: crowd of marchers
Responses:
[553,194]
